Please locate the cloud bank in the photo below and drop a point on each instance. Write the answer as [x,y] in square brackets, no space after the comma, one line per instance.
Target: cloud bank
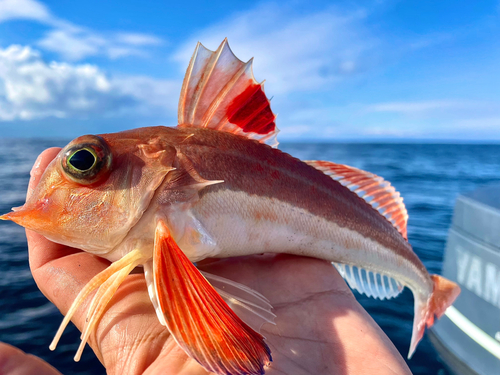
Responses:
[73,42]
[24,9]
[31,88]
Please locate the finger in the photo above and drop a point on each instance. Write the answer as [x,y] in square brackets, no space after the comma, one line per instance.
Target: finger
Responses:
[61,279]
[40,249]
[41,163]
[14,361]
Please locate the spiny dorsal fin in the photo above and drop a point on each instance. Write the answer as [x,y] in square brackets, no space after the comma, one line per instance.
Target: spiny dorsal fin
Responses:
[379,193]
[220,92]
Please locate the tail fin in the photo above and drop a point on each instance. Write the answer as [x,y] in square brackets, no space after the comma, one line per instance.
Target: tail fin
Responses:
[443,295]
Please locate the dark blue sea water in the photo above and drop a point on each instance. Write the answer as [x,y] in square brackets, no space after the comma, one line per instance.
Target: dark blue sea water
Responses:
[429,177]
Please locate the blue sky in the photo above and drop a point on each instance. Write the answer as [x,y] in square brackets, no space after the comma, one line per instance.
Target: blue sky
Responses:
[337,70]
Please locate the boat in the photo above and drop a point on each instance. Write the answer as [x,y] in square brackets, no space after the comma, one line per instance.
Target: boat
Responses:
[467,338]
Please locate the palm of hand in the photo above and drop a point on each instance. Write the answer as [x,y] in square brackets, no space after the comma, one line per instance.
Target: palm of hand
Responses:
[320,328]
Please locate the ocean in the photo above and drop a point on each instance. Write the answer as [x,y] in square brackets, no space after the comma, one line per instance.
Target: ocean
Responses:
[428,176]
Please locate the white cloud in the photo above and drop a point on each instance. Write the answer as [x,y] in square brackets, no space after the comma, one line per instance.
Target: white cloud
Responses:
[378,131]
[454,111]
[72,45]
[138,39]
[297,130]
[31,88]
[23,9]
[74,42]
[116,52]
[293,52]
[414,107]
[151,92]
[480,124]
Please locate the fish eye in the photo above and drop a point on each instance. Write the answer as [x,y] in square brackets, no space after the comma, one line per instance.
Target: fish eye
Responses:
[82,160]
[86,160]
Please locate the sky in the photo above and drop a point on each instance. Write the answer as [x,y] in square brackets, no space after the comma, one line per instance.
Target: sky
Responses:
[336,70]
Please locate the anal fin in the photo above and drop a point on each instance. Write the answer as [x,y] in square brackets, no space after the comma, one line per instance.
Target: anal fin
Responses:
[372,284]
[197,316]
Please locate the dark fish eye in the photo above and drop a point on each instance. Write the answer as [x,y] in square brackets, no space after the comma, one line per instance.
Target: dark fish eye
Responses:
[83,159]
[86,160]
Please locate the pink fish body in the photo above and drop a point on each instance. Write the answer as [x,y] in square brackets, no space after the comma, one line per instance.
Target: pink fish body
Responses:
[211,187]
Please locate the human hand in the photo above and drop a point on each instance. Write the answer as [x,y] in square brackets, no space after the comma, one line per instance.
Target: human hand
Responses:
[320,327]
[14,361]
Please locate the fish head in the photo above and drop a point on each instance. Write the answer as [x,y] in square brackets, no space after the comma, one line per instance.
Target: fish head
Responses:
[96,189]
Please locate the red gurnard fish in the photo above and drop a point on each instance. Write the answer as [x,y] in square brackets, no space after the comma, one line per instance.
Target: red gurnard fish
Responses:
[216,186]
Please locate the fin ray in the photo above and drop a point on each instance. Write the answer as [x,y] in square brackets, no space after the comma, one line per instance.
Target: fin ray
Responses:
[220,92]
[128,262]
[376,191]
[251,306]
[443,295]
[368,282]
[101,299]
[197,316]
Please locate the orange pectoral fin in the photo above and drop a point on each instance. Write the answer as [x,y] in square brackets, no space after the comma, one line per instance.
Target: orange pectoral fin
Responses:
[199,319]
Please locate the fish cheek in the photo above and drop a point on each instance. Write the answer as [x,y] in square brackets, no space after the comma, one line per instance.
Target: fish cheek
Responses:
[113,210]
[79,216]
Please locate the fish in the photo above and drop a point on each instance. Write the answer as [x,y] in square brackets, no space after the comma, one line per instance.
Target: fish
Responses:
[217,186]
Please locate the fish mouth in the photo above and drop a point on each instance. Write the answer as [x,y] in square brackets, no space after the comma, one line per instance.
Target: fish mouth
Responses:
[21,215]
[16,211]
[30,218]
[8,216]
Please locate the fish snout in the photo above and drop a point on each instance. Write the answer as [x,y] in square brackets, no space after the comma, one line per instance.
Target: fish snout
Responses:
[24,216]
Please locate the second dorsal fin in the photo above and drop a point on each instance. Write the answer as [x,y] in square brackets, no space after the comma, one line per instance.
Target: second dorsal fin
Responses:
[220,92]
[379,193]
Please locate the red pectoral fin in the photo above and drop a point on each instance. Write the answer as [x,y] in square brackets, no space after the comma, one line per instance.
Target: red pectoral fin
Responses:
[199,319]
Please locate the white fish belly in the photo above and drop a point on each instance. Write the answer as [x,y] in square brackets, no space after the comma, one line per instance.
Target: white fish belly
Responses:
[241,224]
